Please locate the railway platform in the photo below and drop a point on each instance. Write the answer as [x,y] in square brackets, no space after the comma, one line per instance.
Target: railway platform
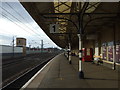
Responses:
[58,73]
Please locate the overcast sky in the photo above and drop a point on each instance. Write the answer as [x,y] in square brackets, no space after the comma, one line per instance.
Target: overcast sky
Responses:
[15,21]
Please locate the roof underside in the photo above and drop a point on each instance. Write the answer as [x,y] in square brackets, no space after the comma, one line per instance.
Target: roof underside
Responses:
[96,14]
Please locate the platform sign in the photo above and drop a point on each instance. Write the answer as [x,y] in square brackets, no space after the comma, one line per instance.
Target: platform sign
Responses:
[54,28]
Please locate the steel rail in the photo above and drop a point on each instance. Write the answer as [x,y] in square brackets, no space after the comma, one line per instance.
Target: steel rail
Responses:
[22,79]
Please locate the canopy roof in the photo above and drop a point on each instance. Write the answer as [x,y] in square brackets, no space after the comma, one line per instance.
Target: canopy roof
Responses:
[95,16]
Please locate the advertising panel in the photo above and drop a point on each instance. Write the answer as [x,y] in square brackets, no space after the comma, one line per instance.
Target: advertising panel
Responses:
[104,51]
[110,51]
[118,53]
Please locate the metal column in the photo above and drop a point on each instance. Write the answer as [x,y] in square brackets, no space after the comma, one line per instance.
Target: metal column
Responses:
[80,36]
[81,74]
[69,54]
[13,46]
[114,48]
[41,45]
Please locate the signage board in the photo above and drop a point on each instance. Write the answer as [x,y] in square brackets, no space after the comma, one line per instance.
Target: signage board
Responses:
[54,28]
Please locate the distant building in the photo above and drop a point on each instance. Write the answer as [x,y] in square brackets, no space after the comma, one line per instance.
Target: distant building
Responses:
[21,42]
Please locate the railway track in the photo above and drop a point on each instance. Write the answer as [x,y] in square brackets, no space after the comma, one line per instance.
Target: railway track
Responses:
[16,61]
[12,70]
[21,80]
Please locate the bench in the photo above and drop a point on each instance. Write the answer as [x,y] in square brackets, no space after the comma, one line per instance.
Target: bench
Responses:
[98,60]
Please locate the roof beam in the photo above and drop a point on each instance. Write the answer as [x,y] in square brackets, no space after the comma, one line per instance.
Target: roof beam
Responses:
[77,13]
[59,4]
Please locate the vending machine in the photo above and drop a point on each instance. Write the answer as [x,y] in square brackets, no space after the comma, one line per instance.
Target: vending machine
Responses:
[87,54]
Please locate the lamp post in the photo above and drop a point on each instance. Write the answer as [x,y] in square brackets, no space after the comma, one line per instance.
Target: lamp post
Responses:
[80,36]
[41,46]
[13,45]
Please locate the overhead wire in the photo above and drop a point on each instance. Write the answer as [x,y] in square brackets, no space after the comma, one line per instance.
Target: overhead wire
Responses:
[14,23]
[6,32]
[18,20]
[19,14]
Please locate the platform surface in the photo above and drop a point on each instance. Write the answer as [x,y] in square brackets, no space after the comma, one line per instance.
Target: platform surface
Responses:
[60,74]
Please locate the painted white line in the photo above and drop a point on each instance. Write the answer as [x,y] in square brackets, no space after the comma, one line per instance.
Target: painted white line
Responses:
[24,86]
